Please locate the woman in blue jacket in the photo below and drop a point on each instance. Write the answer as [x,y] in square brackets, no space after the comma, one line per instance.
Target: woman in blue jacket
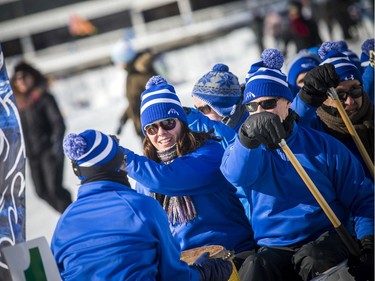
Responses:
[181,170]
[297,239]
[113,233]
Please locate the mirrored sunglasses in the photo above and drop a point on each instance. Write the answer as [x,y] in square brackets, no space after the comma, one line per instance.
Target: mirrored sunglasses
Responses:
[353,93]
[167,124]
[205,109]
[265,104]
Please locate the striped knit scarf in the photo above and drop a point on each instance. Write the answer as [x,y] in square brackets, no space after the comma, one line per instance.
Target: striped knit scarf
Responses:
[180,209]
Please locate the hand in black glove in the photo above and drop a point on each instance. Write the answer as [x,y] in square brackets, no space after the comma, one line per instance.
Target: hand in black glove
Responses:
[367,251]
[316,83]
[262,128]
[213,269]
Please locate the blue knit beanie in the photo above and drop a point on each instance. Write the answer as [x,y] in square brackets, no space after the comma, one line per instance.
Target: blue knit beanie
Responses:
[265,78]
[353,57]
[366,47]
[345,69]
[159,101]
[93,150]
[304,61]
[220,89]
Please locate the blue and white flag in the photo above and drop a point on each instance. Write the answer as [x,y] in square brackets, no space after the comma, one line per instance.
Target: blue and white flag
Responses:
[12,170]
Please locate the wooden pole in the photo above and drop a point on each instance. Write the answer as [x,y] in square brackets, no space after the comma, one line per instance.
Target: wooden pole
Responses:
[333,94]
[340,229]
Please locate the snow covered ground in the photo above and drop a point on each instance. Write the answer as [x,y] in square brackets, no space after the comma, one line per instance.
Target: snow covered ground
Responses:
[95,100]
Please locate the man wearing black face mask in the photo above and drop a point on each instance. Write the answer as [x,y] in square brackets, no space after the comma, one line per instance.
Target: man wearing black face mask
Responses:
[319,111]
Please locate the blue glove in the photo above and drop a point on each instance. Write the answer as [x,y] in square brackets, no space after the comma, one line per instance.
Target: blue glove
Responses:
[213,269]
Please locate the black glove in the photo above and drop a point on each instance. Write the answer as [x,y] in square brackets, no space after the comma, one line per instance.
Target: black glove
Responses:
[367,251]
[262,128]
[316,83]
[213,269]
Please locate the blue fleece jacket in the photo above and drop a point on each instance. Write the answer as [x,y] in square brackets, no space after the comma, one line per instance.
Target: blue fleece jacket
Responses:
[220,216]
[113,233]
[283,210]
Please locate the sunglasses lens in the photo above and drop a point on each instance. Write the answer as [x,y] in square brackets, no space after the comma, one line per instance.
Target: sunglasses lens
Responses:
[355,93]
[205,109]
[168,124]
[151,129]
[268,104]
[252,106]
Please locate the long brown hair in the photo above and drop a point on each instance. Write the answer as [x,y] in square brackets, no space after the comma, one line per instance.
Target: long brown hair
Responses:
[186,143]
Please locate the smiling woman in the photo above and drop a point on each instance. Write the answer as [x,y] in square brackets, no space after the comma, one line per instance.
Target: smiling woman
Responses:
[180,169]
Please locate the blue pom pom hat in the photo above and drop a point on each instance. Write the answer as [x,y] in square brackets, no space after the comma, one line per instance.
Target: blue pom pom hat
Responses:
[92,152]
[159,101]
[265,78]
[345,69]
[220,89]
[304,61]
[352,56]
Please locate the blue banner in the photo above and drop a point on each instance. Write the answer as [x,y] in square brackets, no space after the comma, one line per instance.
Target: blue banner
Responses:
[12,170]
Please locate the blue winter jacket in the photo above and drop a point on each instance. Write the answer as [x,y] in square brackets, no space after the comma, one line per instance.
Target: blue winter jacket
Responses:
[368,81]
[283,211]
[113,233]
[199,122]
[220,216]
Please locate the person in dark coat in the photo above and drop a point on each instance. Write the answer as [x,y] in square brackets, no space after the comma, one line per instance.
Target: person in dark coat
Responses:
[304,31]
[43,130]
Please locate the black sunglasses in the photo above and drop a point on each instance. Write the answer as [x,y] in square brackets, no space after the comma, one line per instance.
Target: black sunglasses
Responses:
[167,124]
[265,104]
[354,93]
[205,109]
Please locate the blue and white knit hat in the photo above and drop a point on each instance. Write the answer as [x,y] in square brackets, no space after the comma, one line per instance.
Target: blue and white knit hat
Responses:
[366,47]
[265,78]
[304,61]
[93,152]
[159,101]
[220,89]
[345,69]
[353,57]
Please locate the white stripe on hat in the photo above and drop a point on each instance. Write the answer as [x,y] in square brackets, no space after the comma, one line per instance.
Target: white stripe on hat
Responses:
[161,91]
[101,156]
[343,64]
[334,59]
[161,100]
[98,139]
[269,77]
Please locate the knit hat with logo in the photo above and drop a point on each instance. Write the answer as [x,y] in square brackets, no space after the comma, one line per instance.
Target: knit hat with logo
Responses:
[159,101]
[265,78]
